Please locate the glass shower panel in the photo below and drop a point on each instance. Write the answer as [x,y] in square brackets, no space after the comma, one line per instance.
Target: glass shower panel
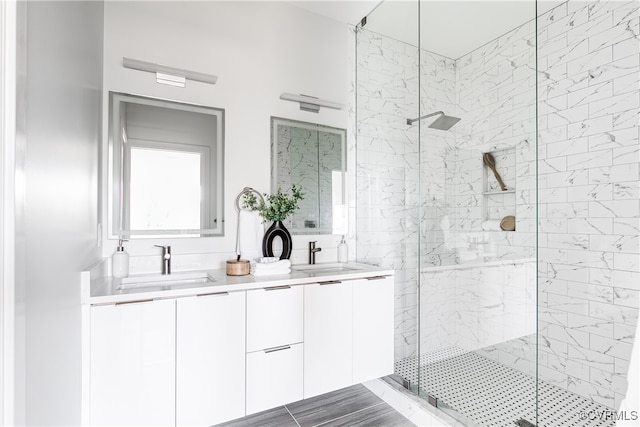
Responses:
[477,314]
[387,156]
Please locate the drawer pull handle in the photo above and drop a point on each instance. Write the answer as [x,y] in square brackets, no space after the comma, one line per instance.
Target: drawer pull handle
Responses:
[274,349]
[330,282]
[134,302]
[377,278]
[277,288]
[213,294]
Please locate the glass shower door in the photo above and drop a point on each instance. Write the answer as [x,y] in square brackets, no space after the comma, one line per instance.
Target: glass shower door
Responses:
[478,229]
[388,164]
[439,108]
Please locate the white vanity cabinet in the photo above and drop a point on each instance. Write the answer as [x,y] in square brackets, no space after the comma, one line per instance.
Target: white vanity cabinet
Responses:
[206,355]
[210,359]
[372,328]
[328,335]
[274,347]
[133,364]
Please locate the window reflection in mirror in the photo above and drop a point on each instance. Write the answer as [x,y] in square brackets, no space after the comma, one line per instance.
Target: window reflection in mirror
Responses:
[167,168]
[313,157]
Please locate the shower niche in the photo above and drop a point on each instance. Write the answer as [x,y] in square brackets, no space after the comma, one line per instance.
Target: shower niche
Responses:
[499,198]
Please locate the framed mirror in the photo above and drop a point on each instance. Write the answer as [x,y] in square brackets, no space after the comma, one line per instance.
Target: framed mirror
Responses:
[166,168]
[313,157]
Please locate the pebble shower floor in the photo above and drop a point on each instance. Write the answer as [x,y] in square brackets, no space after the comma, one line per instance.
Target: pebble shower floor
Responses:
[493,395]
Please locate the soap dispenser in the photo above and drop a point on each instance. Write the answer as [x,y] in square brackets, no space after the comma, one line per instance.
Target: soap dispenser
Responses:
[120,262]
[343,251]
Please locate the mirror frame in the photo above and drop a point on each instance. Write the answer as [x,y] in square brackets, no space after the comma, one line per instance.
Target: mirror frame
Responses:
[275,122]
[117,170]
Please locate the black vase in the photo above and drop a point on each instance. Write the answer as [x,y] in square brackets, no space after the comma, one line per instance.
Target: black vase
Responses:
[277,229]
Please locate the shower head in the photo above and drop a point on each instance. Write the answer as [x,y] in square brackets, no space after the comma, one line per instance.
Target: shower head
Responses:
[443,122]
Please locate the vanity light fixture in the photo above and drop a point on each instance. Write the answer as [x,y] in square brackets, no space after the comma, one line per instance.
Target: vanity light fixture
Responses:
[169,75]
[311,103]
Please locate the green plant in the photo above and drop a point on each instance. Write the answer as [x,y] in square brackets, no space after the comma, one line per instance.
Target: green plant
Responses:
[278,206]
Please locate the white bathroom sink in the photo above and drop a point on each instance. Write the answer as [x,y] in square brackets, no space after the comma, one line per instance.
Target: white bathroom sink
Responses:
[153,280]
[325,268]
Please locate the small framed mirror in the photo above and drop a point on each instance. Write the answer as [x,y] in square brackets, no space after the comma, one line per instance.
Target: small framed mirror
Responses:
[166,164]
[313,157]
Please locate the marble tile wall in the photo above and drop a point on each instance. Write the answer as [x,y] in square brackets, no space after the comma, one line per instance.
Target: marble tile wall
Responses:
[298,163]
[589,270]
[330,162]
[496,293]
[308,157]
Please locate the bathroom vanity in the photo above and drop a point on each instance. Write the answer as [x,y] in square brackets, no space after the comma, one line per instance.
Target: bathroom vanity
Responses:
[207,348]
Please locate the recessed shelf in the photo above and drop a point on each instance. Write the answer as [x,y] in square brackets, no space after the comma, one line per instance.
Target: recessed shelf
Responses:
[489,193]
[496,203]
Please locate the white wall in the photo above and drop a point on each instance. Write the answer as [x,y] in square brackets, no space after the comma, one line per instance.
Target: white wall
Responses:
[57,205]
[8,78]
[258,50]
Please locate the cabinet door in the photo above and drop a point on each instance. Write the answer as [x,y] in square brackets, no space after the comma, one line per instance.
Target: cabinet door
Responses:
[328,335]
[372,328]
[133,364]
[210,353]
[274,377]
[274,317]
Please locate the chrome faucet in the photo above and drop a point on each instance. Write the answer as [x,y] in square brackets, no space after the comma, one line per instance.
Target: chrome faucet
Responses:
[166,258]
[312,252]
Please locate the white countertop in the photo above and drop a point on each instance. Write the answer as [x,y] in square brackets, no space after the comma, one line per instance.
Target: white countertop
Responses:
[108,290]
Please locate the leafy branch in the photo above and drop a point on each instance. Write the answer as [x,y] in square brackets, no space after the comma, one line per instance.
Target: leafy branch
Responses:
[278,206]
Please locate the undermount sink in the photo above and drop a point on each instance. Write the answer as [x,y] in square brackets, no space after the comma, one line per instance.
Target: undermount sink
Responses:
[153,280]
[328,268]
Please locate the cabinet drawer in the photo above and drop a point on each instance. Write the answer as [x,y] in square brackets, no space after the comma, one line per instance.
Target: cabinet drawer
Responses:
[274,377]
[274,317]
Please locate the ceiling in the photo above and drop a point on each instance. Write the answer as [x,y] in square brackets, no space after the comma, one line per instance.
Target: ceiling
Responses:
[345,11]
[451,28]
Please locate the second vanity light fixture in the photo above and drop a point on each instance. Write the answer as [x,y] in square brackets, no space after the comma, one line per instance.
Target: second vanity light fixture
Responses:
[310,103]
[169,75]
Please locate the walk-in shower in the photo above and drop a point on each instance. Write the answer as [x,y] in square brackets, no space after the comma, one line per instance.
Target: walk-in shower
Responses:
[525,326]
[443,122]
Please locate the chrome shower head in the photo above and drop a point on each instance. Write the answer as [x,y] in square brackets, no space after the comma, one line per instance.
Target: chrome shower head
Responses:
[443,122]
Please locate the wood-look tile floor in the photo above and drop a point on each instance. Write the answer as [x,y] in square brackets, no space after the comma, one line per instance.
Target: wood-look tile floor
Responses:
[351,406]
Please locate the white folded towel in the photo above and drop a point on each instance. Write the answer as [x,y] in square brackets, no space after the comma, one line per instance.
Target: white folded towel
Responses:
[271,272]
[283,264]
[250,233]
[266,269]
[491,225]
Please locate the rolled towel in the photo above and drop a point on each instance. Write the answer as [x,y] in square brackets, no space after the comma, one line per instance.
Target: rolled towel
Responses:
[466,256]
[491,225]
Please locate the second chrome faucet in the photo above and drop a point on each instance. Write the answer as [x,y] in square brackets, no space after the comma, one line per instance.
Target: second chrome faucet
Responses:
[166,258]
[312,252]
